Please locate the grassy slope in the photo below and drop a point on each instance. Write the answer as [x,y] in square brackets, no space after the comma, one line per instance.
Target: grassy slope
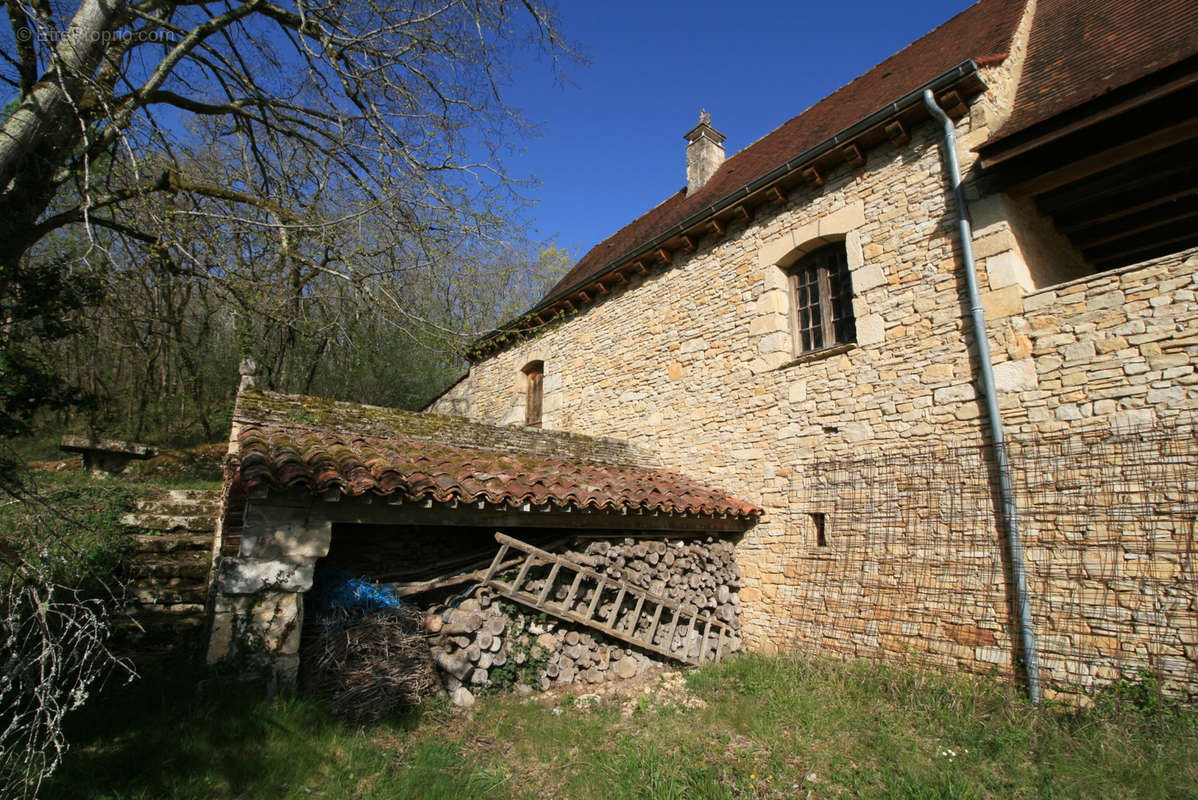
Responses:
[772,727]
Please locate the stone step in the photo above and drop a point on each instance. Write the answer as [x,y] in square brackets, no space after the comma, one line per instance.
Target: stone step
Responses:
[167,630]
[165,509]
[193,495]
[186,567]
[148,592]
[160,522]
[171,542]
[166,612]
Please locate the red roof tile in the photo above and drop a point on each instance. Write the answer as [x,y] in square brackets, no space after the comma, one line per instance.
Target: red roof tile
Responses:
[981,32]
[1081,49]
[286,455]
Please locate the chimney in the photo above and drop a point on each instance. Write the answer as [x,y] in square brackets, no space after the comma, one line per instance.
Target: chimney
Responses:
[704,153]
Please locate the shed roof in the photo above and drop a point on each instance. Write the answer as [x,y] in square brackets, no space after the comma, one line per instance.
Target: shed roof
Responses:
[289,442]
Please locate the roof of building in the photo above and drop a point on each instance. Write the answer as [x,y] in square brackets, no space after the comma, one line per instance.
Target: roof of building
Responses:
[981,32]
[1080,50]
[288,442]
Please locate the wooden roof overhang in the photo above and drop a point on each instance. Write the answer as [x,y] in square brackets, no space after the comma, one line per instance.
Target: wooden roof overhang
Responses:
[892,124]
[1118,175]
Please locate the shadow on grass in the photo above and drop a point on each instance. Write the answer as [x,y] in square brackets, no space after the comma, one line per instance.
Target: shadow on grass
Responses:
[177,732]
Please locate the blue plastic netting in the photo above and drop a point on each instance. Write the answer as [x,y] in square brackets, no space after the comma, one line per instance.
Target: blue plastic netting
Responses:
[339,589]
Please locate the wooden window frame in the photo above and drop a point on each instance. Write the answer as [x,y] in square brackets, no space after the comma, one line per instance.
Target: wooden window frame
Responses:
[534,393]
[833,291]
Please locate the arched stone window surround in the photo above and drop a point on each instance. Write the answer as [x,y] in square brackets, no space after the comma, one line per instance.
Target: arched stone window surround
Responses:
[771,320]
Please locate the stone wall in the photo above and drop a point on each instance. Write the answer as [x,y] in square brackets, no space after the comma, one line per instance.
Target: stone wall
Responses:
[696,361]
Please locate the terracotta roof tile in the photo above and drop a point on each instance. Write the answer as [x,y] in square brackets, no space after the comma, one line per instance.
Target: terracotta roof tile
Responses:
[1079,50]
[980,32]
[283,454]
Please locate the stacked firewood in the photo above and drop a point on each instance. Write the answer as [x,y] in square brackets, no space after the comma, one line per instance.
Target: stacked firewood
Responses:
[483,640]
[698,574]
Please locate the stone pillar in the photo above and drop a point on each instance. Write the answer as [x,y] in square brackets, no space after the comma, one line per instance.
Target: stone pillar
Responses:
[258,608]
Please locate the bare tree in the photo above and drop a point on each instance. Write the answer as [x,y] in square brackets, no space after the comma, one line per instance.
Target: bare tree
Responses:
[338,108]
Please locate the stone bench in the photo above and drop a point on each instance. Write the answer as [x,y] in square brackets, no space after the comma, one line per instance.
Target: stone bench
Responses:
[105,455]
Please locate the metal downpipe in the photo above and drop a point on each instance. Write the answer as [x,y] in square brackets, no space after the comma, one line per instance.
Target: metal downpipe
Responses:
[1006,489]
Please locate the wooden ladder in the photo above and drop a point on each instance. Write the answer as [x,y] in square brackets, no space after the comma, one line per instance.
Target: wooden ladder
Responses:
[676,637]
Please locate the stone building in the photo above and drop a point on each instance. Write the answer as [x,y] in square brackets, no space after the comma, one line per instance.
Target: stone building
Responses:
[795,326]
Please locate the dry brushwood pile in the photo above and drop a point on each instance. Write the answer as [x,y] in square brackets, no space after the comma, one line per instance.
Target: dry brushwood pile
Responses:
[482,641]
[366,664]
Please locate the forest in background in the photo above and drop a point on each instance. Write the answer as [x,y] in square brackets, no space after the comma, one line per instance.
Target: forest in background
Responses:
[153,351]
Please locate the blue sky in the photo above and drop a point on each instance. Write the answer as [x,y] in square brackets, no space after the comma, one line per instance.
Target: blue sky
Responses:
[611,145]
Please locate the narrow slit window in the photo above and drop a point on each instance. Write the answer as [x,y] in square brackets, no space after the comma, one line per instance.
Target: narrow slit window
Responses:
[534,374]
[819,524]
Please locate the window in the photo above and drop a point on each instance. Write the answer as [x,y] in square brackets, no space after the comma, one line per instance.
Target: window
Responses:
[822,299]
[819,523]
[534,374]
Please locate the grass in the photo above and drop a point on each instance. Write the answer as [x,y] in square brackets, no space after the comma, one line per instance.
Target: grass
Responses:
[772,727]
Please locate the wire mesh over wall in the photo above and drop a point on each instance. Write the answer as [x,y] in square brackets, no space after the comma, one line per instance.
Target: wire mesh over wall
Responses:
[904,558]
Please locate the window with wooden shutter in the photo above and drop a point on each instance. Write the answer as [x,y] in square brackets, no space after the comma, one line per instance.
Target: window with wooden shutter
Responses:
[535,375]
[822,299]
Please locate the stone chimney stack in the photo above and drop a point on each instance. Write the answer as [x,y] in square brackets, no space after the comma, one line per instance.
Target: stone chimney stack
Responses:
[704,153]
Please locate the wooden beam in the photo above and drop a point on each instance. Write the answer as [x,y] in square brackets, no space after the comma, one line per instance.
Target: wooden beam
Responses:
[599,288]
[688,244]
[586,298]
[469,516]
[665,255]
[1106,159]
[1127,211]
[897,132]
[716,227]
[952,104]
[1115,233]
[776,195]
[812,175]
[1136,243]
[620,277]
[1161,171]
[742,213]
[641,269]
[1142,252]
[852,154]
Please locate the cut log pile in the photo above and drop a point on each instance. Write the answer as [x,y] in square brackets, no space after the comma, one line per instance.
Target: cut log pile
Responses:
[697,574]
[486,640]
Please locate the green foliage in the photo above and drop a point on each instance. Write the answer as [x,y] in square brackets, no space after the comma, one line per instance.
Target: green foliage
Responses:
[39,305]
[532,658]
[71,523]
[1137,694]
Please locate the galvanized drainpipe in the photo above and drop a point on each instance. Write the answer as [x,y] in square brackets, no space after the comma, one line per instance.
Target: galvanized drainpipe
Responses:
[1010,513]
